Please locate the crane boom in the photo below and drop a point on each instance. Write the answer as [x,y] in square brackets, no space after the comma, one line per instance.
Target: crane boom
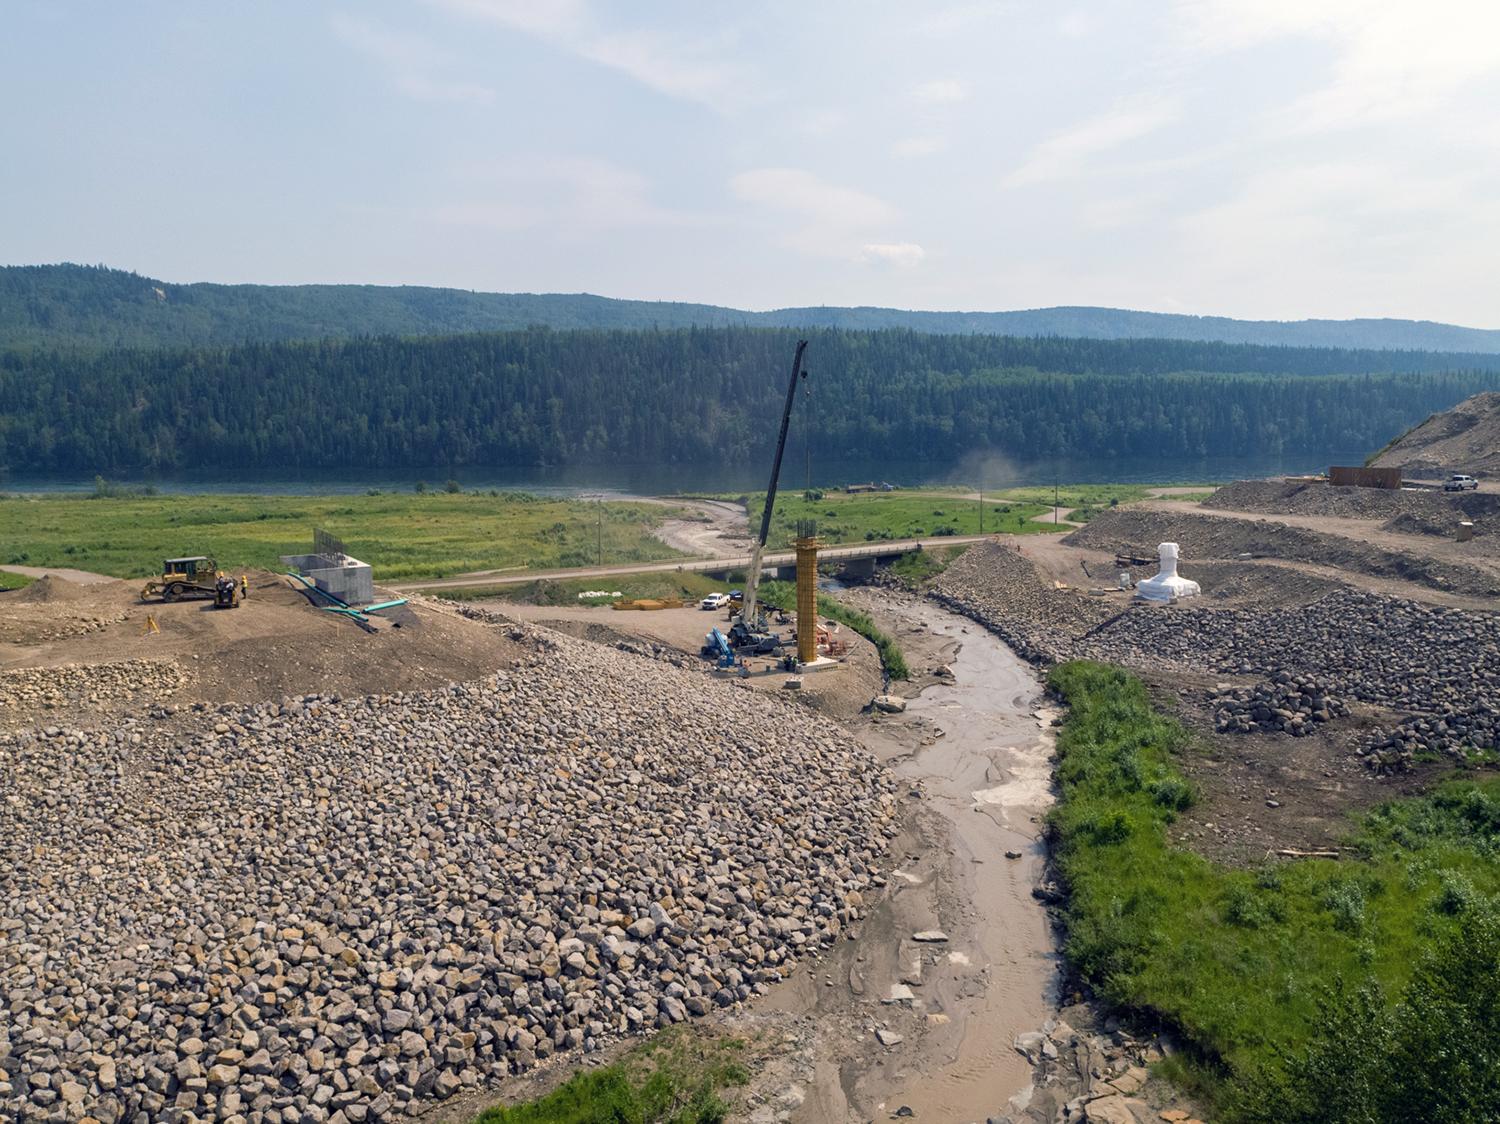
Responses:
[752,579]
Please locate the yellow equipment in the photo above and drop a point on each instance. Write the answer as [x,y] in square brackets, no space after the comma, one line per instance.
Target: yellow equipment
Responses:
[184,579]
[226,592]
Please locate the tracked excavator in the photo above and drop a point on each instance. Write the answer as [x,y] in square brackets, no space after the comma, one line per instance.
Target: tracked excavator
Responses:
[750,630]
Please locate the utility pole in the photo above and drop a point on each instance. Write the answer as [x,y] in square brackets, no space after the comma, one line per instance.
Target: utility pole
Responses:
[1054,501]
[599,533]
[981,501]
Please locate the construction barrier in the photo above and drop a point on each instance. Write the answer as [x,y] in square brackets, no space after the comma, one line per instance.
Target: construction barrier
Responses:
[1361,477]
[647,604]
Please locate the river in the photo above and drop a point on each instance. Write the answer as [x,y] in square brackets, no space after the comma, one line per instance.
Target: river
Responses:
[978,748]
[989,470]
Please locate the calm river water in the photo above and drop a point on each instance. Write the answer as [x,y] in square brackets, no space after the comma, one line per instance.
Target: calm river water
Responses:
[992,472]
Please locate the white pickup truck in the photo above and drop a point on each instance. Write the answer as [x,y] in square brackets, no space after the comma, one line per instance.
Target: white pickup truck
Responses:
[714,601]
[1458,482]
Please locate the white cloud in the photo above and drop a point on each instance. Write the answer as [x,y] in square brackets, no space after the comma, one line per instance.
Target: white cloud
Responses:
[800,192]
[826,220]
[570,195]
[1352,230]
[702,69]
[1065,154]
[411,62]
[919,146]
[1395,59]
[939,92]
[903,254]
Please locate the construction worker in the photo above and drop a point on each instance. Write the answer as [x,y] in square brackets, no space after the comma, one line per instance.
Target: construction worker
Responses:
[244,587]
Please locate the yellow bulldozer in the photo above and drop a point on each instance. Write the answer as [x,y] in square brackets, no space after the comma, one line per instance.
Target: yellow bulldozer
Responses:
[184,579]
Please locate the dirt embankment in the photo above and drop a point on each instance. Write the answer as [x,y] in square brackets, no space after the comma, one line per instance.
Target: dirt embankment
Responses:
[1223,537]
[1463,439]
[1410,511]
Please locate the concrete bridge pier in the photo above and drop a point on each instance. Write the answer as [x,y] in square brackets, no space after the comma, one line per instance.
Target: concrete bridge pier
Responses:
[786,573]
[862,568]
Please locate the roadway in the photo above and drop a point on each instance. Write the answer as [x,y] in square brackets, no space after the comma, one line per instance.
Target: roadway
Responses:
[685,565]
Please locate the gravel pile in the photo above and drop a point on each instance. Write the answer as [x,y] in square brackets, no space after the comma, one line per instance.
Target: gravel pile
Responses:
[1287,704]
[998,587]
[71,685]
[336,909]
[1440,665]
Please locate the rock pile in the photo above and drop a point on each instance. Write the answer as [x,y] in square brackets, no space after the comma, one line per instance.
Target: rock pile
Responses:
[1287,704]
[999,587]
[1457,731]
[334,909]
[83,684]
[1439,666]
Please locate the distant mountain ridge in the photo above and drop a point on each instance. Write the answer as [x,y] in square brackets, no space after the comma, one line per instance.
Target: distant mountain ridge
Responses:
[93,306]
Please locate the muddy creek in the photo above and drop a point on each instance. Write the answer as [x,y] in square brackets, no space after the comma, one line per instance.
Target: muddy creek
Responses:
[931,1024]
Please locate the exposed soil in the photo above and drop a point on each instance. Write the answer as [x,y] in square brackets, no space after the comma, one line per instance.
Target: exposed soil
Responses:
[841,693]
[275,644]
[721,528]
[1357,548]
[1463,439]
[1263,793]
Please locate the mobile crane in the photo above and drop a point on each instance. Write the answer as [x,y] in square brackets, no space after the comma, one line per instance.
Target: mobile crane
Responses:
[751,627]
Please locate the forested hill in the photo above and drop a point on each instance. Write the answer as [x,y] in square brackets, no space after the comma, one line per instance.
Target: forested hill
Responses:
[697,396]
[71,305]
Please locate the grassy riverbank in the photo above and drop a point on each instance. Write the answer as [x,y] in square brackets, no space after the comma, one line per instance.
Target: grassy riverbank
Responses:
[404,535]
[679,1076]
[876,516]
[1306,989]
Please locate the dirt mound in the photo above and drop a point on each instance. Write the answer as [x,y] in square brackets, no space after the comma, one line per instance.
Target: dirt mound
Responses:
[1253,584]
[276,643]
[1463,439]
[48,590]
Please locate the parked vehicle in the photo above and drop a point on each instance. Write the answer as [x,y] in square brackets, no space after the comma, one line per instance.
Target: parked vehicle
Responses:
[1458,482]
[714,601]
[736,595]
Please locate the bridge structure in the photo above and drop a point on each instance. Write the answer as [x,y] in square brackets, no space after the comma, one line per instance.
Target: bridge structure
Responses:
[860,559]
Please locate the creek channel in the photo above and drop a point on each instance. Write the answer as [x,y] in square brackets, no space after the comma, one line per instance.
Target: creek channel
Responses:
[976,750]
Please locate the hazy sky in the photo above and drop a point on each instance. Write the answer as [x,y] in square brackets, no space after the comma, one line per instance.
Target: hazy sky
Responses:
[1257,158]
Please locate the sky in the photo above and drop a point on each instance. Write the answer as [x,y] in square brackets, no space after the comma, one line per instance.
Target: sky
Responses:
[1270,159]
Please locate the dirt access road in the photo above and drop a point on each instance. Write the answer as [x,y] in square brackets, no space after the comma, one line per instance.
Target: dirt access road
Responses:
[688,565]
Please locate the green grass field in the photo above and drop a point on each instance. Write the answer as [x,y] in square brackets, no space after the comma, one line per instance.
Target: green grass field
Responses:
[13,581]
[1242,961]
[678,1076]
[918,566]
[869,517]
[403,535]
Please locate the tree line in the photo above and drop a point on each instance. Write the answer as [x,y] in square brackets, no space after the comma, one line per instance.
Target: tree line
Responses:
[696,396]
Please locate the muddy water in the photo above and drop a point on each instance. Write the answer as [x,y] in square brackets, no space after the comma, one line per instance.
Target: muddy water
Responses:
[866,1031]
[989,777]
